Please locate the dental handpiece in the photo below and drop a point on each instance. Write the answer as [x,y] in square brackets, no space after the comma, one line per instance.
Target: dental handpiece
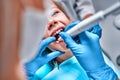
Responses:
[87,23]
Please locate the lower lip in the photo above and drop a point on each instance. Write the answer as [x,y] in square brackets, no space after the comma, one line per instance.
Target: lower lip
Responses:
[59,41]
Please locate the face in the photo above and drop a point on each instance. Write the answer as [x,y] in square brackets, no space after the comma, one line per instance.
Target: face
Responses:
[57,22]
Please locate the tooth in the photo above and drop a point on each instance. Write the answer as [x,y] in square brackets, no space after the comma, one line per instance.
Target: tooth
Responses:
[61,29]
[58,31]
[57,41]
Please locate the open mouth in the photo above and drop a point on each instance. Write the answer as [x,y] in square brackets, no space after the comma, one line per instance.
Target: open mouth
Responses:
[56,32]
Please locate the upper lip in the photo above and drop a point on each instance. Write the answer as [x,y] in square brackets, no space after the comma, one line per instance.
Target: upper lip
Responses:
[56,31]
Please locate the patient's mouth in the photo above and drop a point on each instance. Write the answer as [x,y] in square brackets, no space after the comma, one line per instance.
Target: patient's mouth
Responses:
[56,34]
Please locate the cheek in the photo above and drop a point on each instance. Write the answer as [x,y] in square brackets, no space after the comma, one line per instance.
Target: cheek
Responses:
[65,19]
[46,33]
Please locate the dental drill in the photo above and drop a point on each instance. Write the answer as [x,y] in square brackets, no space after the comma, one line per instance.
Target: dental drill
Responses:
[85,24]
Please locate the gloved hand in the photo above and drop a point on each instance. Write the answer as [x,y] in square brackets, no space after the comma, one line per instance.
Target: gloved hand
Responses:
[41,59]
[46,68]
[89,54]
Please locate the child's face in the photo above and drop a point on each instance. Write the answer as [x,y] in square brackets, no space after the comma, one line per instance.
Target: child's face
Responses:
[57,22]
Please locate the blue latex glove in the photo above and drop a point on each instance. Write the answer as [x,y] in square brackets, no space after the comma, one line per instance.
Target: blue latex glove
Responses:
[45,69]
[89,54]
[41,59]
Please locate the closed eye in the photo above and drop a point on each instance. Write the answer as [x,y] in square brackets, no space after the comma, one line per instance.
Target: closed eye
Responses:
[55,13]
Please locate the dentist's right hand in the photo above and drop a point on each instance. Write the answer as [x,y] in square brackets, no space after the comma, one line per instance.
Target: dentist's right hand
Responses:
[41,58]
[89,54]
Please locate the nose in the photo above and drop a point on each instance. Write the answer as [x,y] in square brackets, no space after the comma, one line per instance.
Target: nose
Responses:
[52,23]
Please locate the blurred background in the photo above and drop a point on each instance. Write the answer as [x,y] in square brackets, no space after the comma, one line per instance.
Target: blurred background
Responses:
[14,13]
[110,40]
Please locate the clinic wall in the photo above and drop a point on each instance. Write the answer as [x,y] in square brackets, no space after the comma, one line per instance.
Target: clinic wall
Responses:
[110,41]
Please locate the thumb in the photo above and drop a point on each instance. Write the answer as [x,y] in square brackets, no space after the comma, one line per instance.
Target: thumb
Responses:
[88,37]
[83,37]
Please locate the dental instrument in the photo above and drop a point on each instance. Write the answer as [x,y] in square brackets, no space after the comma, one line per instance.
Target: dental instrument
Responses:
[99,16]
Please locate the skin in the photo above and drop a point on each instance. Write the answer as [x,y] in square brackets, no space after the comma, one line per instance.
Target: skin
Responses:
[36,4]
[10,17]
[57,21]
[10,26]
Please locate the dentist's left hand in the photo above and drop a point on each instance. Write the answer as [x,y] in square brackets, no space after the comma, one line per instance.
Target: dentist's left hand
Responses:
[41,59]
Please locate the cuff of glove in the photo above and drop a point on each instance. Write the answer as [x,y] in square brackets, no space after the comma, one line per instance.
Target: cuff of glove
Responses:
[43,71]
[105,74]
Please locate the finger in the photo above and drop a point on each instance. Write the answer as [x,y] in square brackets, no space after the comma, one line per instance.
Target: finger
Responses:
[68,39]
[83,37]
[53,55]
[87,37]
[45,43]
[96,29]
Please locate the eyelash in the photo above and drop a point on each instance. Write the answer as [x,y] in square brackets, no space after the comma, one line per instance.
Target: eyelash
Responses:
[55,13]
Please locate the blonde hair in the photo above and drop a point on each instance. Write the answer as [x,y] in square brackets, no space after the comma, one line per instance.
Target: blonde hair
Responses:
[56,2]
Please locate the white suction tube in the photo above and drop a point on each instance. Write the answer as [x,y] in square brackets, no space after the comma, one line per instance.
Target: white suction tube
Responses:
[85,24]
